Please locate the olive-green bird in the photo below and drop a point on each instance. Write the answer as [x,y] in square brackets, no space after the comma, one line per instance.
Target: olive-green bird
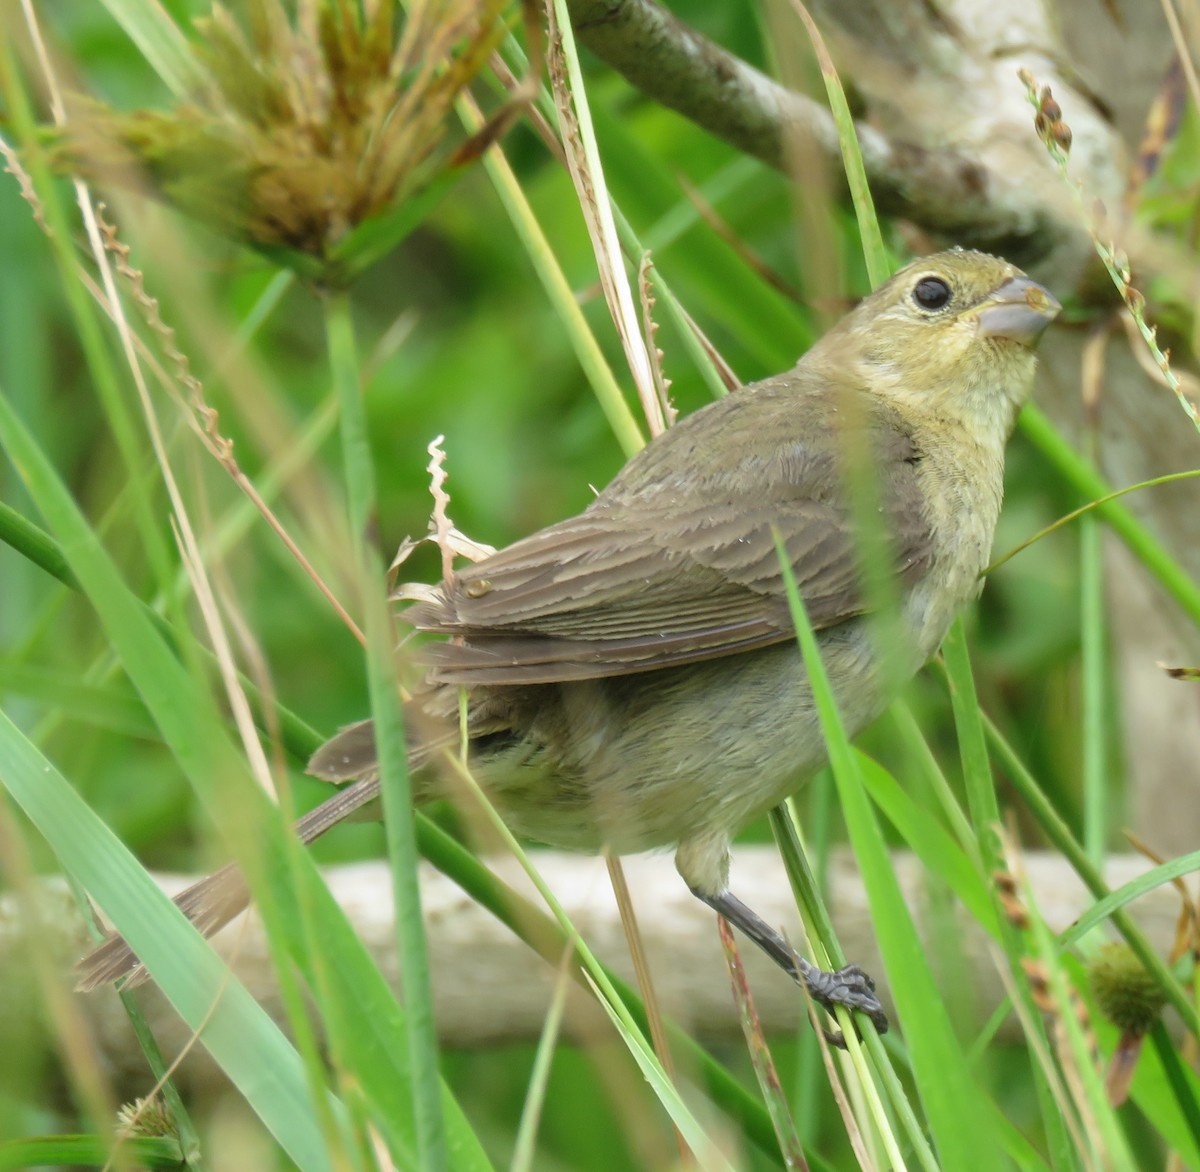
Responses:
[632,674]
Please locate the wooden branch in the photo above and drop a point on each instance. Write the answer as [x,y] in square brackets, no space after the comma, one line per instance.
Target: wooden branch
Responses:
[490,988]
[956,155]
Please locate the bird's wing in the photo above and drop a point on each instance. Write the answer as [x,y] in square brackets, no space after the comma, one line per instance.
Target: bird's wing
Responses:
[670,566]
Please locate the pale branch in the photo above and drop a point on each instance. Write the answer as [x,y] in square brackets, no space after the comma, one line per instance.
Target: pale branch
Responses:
[491,988]
[953,190]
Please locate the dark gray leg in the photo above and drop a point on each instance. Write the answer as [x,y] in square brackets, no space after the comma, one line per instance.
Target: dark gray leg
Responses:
[849,986]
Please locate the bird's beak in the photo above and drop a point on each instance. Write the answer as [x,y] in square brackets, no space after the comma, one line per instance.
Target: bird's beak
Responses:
[1019,310]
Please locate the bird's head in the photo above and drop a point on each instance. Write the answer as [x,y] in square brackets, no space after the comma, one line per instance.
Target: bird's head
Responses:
[953,334]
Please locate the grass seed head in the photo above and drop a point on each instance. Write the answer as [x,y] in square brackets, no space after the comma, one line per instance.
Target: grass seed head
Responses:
[309,123]
[1126,994]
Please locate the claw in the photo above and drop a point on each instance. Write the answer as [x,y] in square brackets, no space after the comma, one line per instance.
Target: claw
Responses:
[851,987]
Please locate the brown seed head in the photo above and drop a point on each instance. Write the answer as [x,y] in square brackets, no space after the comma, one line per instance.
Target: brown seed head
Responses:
[308,123]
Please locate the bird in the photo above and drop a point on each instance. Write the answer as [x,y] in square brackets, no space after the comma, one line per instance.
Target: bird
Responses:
[632,675]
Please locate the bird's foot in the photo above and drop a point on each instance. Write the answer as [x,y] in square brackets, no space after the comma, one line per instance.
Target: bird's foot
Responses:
[850,986]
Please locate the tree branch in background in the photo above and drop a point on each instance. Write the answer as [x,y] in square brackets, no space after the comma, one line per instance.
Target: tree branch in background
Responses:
[493,988]
[963,190]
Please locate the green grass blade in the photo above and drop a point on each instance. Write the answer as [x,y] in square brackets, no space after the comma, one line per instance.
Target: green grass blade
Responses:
[194,730]
[30,541]
[237,1031]
[1078,472]
[591,358]
[52,1150]
[879,266]
[944,1080]
[984,811]
[920,757]
[1098,811]
[1175,1111]
[548,939]
[524,1145]
[761,1059]
[703,1149]
[160,42]
[420,1033]
[1119,897]
[935,846]
[111,707]
[972,746]
[1060,835]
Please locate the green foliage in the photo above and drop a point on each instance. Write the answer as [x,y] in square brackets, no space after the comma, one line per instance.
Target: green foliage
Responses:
[479,321]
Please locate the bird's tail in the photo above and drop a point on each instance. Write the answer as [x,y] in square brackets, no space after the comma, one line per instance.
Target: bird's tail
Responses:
[213,901]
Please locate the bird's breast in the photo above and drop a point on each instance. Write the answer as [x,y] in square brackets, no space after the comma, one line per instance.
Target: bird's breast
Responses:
[962,486]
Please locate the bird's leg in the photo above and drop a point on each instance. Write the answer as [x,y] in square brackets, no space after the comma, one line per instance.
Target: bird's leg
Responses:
[703,863]
[848,986]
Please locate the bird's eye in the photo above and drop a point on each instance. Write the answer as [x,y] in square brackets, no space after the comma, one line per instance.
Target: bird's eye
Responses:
[931,293]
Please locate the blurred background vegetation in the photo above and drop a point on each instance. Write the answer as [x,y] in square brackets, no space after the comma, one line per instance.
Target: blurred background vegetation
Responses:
[457,337]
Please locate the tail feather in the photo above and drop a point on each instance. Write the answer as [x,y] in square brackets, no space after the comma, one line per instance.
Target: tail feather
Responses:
[348,755]
[215,900]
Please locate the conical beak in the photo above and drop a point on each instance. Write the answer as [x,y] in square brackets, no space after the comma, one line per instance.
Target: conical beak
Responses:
[1019,310]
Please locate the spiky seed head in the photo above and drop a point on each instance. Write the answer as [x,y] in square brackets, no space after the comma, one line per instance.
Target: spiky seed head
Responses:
[306,124]
[1126,994]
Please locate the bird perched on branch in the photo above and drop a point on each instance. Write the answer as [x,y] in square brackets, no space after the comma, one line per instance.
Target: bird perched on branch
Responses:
[632,674]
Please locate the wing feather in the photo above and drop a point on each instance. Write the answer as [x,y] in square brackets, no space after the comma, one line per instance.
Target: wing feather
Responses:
[676,560]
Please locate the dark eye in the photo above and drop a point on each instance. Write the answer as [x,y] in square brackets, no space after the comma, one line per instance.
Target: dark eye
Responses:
[931,293]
